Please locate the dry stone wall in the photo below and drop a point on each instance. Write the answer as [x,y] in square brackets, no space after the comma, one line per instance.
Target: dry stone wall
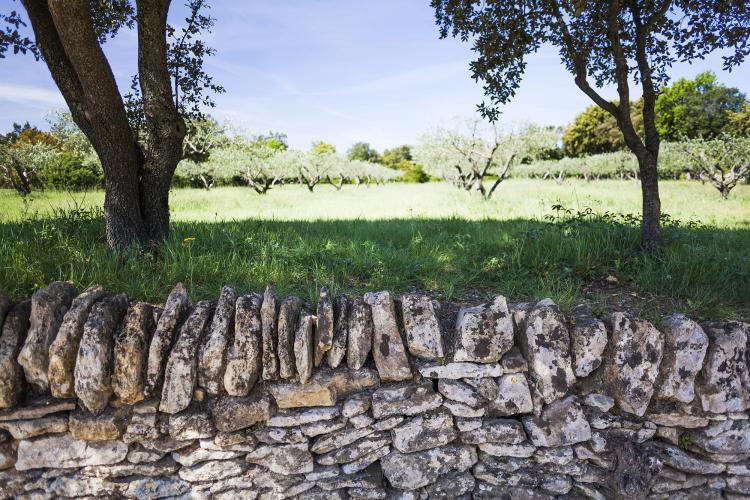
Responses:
[258,396]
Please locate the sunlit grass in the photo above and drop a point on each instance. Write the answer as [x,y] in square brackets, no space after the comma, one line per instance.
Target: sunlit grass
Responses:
[398,237]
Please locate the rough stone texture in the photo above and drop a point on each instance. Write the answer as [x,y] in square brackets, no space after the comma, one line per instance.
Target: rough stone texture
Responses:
[461,370]
[460,430]
[360,336]
[94,364]
[424,336]
[546,344]
[175,310]
[14,330]
[484,333]
[512,396]
[633,366]
[212,354]
[415,470]
[325,324]
[233,414]
[182,366]
[62,451]
[268,311]
[48,307]
[289,312]
[64,349]
[130,353]
[295,395]
[245,352]
[589,338]
[387,345]
[724,383]
[685,345]
[108,426]
[304,349]
[404,400]
[340,331]
[286,460]
[561,423]
[424,432]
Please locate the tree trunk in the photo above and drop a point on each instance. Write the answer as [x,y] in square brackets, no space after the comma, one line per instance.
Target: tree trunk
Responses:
[165,127]
[651,224]
[136,200]
[104,113]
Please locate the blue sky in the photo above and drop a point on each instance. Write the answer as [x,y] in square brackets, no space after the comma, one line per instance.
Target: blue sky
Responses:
[336,70]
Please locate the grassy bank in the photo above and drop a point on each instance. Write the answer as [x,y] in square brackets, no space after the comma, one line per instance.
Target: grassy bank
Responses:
[400,237]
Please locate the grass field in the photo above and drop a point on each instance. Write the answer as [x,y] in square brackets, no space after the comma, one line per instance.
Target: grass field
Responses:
[399,237]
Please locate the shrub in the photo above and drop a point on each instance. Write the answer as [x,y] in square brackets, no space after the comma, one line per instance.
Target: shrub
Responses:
[69,172]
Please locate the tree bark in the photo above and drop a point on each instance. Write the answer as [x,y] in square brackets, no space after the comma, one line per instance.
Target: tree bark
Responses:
[65,34]
[651,224]
[136,182]
[164,125]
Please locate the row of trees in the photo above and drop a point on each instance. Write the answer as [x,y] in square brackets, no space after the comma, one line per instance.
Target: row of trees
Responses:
[698,108]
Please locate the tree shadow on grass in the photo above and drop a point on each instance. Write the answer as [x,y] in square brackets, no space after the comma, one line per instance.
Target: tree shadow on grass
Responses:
[703,271]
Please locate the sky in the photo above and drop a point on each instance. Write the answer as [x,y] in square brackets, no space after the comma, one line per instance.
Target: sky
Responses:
[341,71]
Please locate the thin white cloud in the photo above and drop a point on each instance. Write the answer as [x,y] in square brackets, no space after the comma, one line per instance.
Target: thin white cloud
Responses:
[30,96]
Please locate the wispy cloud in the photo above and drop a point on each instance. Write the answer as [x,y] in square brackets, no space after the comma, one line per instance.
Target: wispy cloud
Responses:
[31,96]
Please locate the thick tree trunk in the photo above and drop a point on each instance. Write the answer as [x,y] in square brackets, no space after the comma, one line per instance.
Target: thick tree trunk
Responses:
[164,125]
[104,112]
[651,224]
[136,202]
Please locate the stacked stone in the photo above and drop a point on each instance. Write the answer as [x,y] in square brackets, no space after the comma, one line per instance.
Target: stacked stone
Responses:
[253,396]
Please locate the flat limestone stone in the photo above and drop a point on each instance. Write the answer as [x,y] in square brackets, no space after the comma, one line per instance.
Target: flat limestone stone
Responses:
[212,353]
[360,334]
[25,429]
[561,423]
[513,396]
[233,414]
[484,333]
[297,395]
[340,331]
[244,356]
[411,471]
[48,307]
[546,343]
[289,313]
[287,460]
[94,365]
[424,432]
[724,383]
[410,399]
[589,339]
[460,370]
[36,409]
[110,425]
[270,338]
[181,371]
[175,310]
[63,451]
[387,345]
[424,336]
[685,345]
[633,365]
[12,337]
[131,352]
[64,349]
[495,430]
[304,350]
[324,328]
[293,418]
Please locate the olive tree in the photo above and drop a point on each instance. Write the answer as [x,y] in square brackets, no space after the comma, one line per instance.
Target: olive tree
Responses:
[723,161]
[469,159]
[600,42]
[138,157]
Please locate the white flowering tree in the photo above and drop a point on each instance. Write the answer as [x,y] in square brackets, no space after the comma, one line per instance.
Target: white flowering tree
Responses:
[470,158]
